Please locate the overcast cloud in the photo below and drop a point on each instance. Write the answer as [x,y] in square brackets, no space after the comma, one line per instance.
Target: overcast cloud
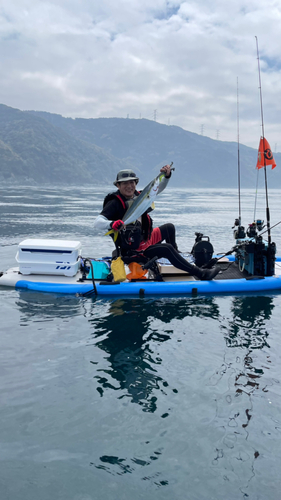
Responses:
[114,58]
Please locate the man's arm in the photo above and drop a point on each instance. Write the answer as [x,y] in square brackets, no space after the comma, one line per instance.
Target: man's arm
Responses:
[101,223]
[110,212]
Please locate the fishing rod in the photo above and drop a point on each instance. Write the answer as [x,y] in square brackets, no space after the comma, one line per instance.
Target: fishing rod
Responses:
[277,223]
[264,158]
[240,232]
[238,157]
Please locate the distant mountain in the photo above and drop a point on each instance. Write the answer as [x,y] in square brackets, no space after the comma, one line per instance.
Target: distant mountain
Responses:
[40,147]
[32,150]
[199,161]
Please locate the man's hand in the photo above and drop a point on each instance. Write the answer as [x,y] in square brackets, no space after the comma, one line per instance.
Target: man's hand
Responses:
[117,225]
[166,170]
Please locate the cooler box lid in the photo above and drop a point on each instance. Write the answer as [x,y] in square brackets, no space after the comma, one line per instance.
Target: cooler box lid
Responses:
[53,246]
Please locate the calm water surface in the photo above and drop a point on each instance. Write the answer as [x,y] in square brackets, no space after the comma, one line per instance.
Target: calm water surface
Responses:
[137,398]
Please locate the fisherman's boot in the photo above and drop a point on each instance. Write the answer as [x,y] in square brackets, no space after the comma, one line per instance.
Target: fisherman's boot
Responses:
[205,274]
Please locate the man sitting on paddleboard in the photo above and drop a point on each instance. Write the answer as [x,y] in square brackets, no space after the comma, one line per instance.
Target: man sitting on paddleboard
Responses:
[140,238]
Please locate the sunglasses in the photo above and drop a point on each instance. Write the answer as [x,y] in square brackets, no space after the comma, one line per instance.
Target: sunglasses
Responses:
[126,175]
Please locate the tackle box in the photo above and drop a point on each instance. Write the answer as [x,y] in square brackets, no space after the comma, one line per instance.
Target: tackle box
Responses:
[44,256]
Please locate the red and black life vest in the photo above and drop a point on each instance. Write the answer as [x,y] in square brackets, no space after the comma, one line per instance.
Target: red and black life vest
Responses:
[146,221]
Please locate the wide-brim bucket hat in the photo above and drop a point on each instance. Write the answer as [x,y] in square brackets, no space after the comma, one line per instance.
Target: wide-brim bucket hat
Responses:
[126,175]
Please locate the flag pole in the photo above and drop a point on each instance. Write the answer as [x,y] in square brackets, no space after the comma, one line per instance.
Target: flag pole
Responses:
[264,159]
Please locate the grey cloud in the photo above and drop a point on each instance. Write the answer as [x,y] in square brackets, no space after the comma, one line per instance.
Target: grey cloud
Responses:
[110,58]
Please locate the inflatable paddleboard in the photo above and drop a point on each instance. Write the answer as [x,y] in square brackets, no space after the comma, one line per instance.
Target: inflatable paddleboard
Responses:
[54,266]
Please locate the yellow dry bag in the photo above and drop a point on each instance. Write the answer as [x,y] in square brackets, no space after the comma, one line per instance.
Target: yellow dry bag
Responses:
[118,269]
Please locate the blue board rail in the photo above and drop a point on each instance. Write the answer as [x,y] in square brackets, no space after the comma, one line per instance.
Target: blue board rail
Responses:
[250,285]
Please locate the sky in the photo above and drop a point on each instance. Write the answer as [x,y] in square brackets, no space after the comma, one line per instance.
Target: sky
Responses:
[192,64]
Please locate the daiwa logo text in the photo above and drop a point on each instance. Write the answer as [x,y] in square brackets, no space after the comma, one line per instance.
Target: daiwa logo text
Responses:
[63,267]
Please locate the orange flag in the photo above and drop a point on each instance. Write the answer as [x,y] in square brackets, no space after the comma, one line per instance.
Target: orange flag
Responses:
[265,156]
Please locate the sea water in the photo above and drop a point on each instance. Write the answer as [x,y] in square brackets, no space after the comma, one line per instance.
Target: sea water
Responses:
[159,398]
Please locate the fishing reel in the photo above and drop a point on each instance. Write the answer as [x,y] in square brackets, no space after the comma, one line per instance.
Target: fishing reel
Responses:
[260,224]
[254,228]
[238,233]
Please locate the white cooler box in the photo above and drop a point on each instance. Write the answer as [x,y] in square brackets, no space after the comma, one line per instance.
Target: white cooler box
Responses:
[59,257]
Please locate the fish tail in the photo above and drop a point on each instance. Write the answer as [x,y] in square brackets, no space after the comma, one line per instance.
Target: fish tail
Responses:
[115,234]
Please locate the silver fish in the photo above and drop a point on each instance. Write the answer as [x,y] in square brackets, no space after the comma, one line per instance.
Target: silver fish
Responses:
[142,202]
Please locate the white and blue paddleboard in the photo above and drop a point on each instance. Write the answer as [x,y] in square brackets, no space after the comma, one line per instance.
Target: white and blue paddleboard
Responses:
[56,266]
[173,285]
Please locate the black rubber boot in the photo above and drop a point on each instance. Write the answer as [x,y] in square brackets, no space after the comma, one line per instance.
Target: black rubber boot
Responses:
[167,251]
[205,274]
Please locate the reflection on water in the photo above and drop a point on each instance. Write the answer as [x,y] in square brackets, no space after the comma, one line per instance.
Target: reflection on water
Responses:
[42,307]
[137,397]
[128,335]
[127,343]
[192,373]
[249,318]
[244,377]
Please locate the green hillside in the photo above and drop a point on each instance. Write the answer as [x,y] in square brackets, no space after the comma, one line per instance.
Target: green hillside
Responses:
[40,147]
[33,150]
[199,161]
